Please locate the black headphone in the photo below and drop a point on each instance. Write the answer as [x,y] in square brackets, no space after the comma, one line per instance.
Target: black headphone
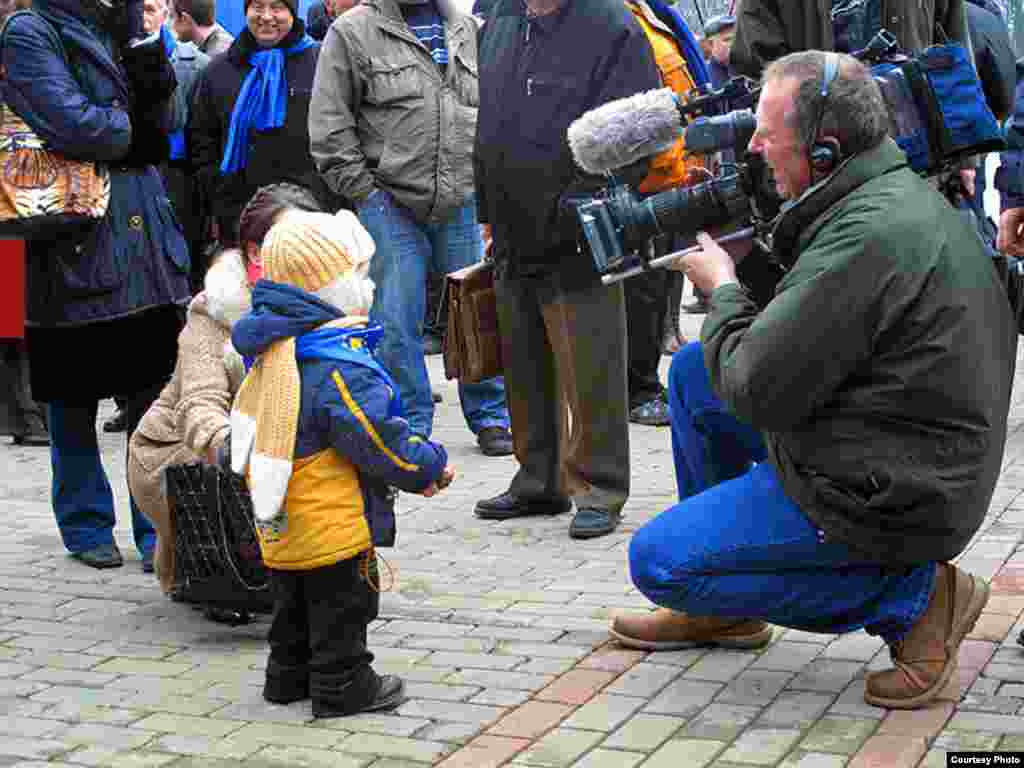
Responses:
[824,153]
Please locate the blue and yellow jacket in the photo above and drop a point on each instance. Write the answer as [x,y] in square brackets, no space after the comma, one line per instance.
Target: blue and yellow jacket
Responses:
[353,445]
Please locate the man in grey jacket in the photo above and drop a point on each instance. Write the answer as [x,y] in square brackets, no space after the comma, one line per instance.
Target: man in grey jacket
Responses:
[391,126]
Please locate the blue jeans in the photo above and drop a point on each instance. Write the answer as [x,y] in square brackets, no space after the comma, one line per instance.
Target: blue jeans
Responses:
[82,499]
[737,546]
[406,251]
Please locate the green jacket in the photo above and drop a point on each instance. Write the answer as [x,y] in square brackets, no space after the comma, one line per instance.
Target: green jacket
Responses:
[880,373]
[769,29]
[383,116]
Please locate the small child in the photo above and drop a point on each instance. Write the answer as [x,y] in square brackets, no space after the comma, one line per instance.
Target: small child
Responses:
[317,427]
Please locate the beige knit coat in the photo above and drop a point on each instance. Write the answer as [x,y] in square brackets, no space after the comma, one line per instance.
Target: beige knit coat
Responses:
[191,415]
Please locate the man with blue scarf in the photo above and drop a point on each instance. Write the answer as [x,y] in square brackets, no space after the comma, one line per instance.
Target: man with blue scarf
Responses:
[249,122]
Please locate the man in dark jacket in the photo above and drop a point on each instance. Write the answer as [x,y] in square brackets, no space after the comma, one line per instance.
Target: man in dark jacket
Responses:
[236,148]
[563,332]
[872,392]
[767,29]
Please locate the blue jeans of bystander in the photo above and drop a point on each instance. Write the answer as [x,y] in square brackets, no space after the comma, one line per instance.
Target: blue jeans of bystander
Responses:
[406,250]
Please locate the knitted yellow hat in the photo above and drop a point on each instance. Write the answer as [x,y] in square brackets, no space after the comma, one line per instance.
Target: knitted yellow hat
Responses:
[315,252]
[309,250]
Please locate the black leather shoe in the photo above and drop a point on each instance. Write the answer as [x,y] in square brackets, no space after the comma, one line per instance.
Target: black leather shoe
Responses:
[103,556]
[508,505]
[390,694]
[495,441]
[116,423]
[589,523]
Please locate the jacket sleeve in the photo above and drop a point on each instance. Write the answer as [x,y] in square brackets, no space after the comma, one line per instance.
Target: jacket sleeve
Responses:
[204,139]
[204,406]
[333,140]
[40,87]
[773,369]
[994,59]
[354,402]
[760,37]
[1010,174]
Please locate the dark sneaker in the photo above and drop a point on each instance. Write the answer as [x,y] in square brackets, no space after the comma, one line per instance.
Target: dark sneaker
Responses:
[508,505]
[103,556]
[590,522]
[495,441]
[653,413]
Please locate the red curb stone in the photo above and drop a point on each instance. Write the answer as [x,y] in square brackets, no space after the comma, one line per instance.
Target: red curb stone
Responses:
[992,626]
[917,723]
[485,752]
[576,686]
[612,660]
[889,751]
[975,654]
[531,720]
[1009,581]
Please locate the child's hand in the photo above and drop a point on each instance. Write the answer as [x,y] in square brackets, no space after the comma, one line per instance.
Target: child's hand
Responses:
[447,475]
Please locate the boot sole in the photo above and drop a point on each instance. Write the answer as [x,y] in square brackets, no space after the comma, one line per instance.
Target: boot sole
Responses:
[977,604]
[746,642]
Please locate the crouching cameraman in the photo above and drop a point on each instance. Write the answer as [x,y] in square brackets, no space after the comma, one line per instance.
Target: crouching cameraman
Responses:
[836,448]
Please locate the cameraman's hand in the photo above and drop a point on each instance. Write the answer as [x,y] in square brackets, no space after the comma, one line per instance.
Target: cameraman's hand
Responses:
[1011,232]
[709,267]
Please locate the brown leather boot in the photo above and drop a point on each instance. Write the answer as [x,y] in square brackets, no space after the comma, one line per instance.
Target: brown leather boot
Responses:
[668,630]
[925,659]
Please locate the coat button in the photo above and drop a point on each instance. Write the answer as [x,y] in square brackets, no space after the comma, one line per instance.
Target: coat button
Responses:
[117,102]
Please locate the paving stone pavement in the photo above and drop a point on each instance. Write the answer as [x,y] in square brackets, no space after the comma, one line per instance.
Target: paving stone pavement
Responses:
[499,630]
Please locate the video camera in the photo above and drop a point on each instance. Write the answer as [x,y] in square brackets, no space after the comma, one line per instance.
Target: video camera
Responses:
[618,222]
[937,114]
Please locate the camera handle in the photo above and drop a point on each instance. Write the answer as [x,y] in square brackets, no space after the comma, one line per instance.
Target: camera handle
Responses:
[663,261]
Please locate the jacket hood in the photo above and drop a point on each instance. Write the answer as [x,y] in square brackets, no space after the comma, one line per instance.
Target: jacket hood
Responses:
[279,311]
[797,218]
[226,296]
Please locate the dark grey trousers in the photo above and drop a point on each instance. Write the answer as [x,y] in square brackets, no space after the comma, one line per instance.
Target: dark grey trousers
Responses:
[564,353]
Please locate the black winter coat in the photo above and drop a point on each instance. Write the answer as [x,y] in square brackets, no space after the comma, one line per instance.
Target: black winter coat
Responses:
[588,53]
[278,155]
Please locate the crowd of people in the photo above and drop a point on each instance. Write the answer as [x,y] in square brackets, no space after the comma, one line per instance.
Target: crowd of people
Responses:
[280,201]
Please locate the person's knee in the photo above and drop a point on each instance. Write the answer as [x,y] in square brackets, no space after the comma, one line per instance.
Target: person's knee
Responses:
[689,360]
[663,581]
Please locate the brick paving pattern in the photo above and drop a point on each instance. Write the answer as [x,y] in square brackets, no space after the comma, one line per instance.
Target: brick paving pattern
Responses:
[500,632]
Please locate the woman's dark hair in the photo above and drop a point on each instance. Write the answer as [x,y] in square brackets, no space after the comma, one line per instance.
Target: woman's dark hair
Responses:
[259,213]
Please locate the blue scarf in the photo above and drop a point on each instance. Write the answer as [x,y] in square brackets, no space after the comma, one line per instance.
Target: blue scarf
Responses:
[691,49]
[177,138]
[262,102]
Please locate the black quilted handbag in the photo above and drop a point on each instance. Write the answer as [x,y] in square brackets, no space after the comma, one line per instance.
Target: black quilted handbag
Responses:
[217,558]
